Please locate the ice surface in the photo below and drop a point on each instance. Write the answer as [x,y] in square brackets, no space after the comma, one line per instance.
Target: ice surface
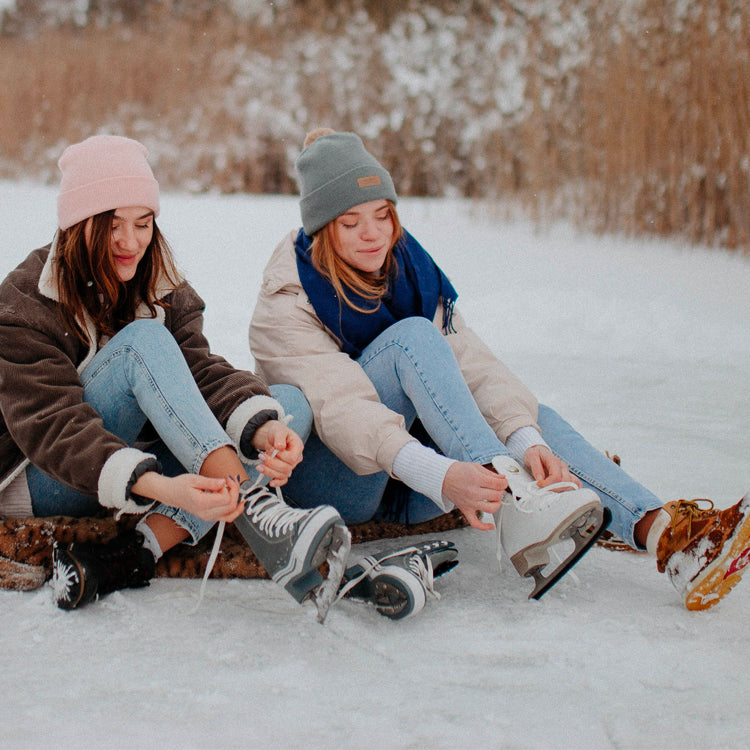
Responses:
[643,345]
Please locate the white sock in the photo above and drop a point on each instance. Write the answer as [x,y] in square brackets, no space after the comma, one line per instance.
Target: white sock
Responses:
[660,523]
[150,542]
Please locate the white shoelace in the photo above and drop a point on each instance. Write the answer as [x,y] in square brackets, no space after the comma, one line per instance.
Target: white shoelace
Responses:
[425,573]
[535,491]
[211,561]
[273,516]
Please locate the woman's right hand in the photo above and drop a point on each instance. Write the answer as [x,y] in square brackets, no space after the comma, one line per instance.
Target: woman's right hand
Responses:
[208,498]
[474,490]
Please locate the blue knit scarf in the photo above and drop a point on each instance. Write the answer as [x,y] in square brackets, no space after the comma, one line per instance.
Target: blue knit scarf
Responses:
[416,289]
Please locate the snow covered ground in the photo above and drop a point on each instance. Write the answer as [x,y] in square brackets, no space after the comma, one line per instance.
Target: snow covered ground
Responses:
[643,345]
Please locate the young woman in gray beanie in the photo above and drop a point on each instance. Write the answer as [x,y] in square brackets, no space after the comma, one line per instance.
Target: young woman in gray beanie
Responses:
[111,397]
[414,415]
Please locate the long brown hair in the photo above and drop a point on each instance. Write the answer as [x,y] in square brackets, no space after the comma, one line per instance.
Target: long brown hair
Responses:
[88,282]
[329,264]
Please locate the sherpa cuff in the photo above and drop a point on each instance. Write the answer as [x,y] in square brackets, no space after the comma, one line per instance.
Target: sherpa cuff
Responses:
[245,413]
[115,480]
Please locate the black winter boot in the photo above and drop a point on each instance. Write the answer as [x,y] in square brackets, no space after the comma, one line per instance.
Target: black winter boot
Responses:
[81,572]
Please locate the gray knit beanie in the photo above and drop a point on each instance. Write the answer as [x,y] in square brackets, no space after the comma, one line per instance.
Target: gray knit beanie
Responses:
[336,172]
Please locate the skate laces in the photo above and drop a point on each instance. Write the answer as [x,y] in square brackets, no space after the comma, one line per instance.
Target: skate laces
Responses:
[690,510]
[424,571]
[534,492]
[273,516]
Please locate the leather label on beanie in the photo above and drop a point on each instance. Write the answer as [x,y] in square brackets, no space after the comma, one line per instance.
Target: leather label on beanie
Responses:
[364,182]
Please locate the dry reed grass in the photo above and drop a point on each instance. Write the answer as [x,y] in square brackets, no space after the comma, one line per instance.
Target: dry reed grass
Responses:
[666,127]
[649,133]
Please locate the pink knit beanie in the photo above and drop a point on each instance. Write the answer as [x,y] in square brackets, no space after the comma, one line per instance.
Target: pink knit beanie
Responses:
[102,173]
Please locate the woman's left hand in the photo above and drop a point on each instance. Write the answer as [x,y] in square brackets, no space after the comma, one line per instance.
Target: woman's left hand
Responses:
[546,467]
[280,451]
[209,498]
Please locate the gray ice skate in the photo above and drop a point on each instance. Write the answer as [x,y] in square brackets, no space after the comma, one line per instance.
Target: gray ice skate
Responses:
[397,583]
[292,543]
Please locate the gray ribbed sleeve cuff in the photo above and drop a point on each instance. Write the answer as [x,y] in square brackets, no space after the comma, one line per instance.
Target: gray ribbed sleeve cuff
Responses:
[423,470]
[521,440]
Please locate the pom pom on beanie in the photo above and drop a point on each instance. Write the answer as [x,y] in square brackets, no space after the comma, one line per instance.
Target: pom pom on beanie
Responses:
[315,134]
[103,173]
[335,172]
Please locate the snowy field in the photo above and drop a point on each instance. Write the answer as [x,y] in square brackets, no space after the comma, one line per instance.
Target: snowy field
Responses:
[643,345]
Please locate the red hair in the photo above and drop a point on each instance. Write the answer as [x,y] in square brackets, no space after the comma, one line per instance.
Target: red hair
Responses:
[342,276]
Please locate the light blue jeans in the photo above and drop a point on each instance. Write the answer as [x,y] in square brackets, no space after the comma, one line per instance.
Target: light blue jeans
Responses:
[141,374]
[415,374]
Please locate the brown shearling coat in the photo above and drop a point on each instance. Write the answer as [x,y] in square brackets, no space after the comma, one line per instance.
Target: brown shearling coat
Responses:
[43,417]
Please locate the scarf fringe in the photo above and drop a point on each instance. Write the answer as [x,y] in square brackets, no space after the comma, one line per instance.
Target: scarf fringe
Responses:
[448,308]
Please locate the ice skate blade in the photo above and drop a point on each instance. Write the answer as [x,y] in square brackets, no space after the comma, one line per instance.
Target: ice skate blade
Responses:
[582,545]
[386,597]
[321,553]
[389,601]
[68,580]
[536,555]
[338,554]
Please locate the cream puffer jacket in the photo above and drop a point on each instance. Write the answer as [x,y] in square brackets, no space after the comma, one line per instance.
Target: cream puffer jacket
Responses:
[291,345]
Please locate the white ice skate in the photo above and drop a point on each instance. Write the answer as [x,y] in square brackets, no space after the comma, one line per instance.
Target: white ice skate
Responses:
[533,520]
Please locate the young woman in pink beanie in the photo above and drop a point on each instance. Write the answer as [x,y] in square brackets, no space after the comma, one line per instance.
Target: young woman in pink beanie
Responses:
[111,398]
